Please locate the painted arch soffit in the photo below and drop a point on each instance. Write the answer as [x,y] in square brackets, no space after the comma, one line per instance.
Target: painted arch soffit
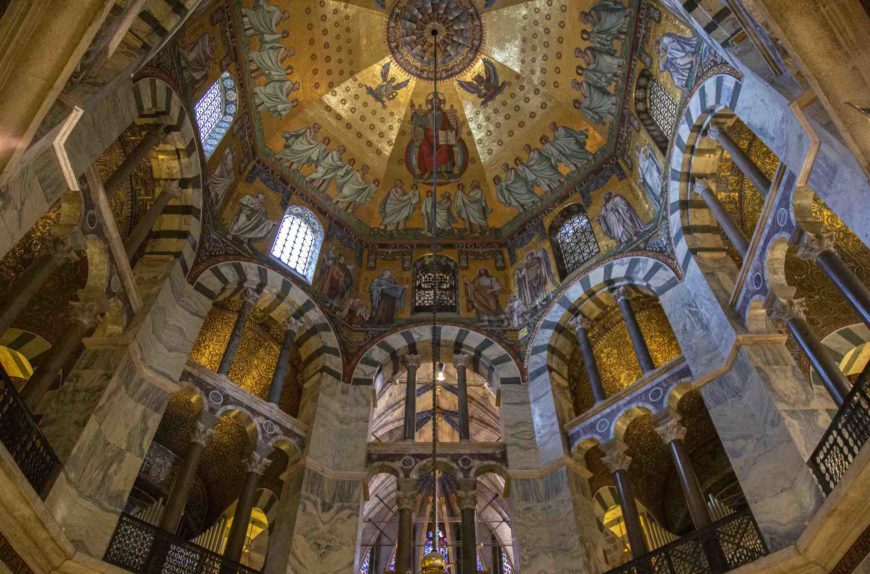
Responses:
[342,103]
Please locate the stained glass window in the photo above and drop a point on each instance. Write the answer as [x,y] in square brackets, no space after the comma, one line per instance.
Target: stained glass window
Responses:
[392,565]
[573,239]
[215,111]
[480,567]
[506,567]
[298,242]
[662,107]
[364,567]
[442,544]
[433,282]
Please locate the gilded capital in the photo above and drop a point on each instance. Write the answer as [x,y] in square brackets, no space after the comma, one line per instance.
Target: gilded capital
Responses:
[615,455]
[714,132]
[250,298]
[88,312]
[813,245]
[621,293]
[700,186]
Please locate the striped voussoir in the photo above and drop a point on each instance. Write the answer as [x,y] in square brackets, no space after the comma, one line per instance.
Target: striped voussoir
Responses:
[839,344]
[30,345]
[714,97]
[716,18]
[157,20]
[490,359]
[177,231]
[281,299]
[552,341]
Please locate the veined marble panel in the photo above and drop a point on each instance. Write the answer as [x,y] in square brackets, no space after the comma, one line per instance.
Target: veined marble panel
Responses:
[339,434]
[519,427]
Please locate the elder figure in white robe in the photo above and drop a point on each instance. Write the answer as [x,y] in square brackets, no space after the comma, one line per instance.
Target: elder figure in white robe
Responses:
[677,57]
[515,190]
[221,179]
[263,20]
[353,190]
[398,206]
[471,207]
[546,174]
[329,167]
[650,175]
[301,147]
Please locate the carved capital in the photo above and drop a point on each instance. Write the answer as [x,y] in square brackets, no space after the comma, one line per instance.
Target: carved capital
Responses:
[621,293]
[202,434]
[580,322]
[172,188]
[295,326]
[411,361]
[406,493]
[467,499]
[715,132]
[813,245]
[461,360]
[615,455]
[257,463]
[249,300]
[701,186]
[88,312]
[785,310]
[670,429]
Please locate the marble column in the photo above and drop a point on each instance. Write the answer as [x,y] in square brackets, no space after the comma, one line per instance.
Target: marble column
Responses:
[582,325]
[255,467]
[406,500]
[820,249]
[673,434]
[791,312]
[143,228]
[202,434]
[85,316]
[740,159]
[722,217]
[496,555]
[637,340]
[460,361]
[28,284]
[412,363]
[466,496]
[287,353]
[152,139]
[617,462]
[249,300]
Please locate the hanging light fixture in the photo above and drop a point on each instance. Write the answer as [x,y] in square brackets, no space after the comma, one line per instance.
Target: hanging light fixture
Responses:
[433,562]
[440,374]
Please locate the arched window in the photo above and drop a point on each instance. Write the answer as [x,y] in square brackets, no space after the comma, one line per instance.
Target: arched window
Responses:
[215,111]
[366,563]
[572,238]
[298,242]
[655,108]
[427,277]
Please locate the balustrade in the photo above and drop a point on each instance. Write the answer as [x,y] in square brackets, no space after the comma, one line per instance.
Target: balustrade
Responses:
[145,549]
[21,436]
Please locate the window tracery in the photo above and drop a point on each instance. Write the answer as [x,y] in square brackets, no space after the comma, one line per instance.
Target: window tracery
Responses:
[298,242]
[214,112]
[573,239]
[443,275]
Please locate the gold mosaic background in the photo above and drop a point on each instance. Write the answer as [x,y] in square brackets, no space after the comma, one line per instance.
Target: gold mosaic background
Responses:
[617,363]
[255,361]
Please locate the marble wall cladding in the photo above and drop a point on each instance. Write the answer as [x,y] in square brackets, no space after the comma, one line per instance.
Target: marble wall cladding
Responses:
[599,549]
[23,200]
[548,538]
[102,466]
[519,427]
[281,534]
[339,433]
[327,524]
[836,176]
[766,427]
[171,325]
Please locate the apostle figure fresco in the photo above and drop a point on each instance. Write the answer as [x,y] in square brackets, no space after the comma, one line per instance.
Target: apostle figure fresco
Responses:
[534,278]
[250,223]
[567,147]
[443,218]
[355,312]
[441,149]
[398,206]
[650,176]
[515,309]
[596,102]
[221,179]
[482,296]
[677,55]
[546,175]
[471,207]
[608,20]
[329,167]
[353,190]
[262,21]
[618,219]
[336,277]
[387,298]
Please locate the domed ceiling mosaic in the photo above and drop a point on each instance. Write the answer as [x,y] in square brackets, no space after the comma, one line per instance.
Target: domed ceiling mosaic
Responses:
[344,104]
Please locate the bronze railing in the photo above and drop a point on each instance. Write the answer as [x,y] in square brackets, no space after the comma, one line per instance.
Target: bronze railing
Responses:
[724,545]
[21,436]
[843,440]
[145,549]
